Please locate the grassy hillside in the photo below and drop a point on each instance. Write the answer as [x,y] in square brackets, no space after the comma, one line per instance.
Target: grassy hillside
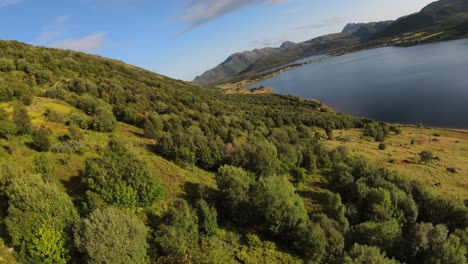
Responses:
[402,156]
[103,162]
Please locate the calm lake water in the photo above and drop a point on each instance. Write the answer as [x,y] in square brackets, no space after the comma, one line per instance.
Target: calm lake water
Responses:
[421,84]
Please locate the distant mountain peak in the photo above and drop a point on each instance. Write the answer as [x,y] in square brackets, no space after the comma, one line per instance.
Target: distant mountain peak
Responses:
[287,45]
[351,27]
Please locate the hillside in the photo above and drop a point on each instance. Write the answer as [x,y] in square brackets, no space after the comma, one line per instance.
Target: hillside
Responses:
[104,162]
[440,15]
[445,17]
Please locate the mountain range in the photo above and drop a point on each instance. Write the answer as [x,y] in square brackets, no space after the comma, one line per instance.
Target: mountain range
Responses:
[444,14]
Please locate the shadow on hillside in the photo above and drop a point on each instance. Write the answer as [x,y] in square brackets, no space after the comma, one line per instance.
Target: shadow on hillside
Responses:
[194,191]
[75,188]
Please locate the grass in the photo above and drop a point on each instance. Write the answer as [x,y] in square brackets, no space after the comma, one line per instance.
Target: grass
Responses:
[432,36]
[451,146]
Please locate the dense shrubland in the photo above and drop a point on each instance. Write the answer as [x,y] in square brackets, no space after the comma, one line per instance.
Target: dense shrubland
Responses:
[262,148]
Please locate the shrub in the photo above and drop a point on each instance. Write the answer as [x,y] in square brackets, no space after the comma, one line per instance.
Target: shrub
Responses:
[104,120]
[41,140]
[382,146]
[39,216]
[75,132]
[6,65]
[277,208]
[120,179]
[70,146]
[426,156]
[367,254]
[111,235]
[21,119]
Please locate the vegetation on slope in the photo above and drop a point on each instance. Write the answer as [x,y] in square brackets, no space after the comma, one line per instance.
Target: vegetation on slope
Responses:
[244,178]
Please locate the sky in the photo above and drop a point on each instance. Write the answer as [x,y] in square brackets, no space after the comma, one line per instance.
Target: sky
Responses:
[184,38]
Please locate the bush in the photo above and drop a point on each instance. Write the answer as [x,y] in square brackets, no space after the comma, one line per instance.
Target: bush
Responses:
[75,132]
[7,65]
[111,235]
[70,146]
[177,237]
[120,179]
[41,141]
[382,146]
[367,254]
[277,208]
[22,119]
[426,156]
[38,218]
[104,120]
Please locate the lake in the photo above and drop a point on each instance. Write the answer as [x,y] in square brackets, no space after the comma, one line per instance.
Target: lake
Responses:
[420,84]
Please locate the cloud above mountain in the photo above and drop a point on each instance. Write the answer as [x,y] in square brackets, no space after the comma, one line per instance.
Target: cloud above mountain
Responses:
[88,43]
[199,12]
[4,3]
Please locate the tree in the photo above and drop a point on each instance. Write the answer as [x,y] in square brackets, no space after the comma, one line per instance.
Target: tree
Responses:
[49,246]
[41,141]
[120,179]
[43,167]
[234,184]
[177,236]
[75,132]
[104,120]
[38,219]
[22,119]
[362,254]
[111,236]
[311,242]
[207,217]
[277,208]
[385,235]
[6,65]
[426,156]
[153,125]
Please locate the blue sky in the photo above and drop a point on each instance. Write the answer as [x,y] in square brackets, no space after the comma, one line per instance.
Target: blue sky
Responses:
[184,38]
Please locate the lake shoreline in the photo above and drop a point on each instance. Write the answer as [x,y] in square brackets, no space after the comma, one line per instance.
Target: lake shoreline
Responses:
[393,85]
[249,82]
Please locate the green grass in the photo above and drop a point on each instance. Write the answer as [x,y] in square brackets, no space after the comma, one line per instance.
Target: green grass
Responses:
[432,36]
[400,156]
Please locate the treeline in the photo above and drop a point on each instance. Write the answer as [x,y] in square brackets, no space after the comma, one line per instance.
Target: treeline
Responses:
[261,147]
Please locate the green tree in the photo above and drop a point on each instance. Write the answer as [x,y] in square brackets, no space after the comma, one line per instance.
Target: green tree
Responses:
[22,119]
[362,254]
[43,167]
[153,125]
[49,246]
[277,207]
[112,236]
[75,132]
[311,242]
[234,184]
[207,218]
[7,65]
[120,179]
[38,212]
[385,235]
[41,140]
[177,237]
[104,120]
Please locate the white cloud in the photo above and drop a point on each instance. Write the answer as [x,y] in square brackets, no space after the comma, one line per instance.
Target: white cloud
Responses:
[86,44]
[4,3]
[199,12]
[53,30]
[325,23]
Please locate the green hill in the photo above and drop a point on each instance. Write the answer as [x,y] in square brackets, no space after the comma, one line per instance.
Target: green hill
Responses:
[104,162]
